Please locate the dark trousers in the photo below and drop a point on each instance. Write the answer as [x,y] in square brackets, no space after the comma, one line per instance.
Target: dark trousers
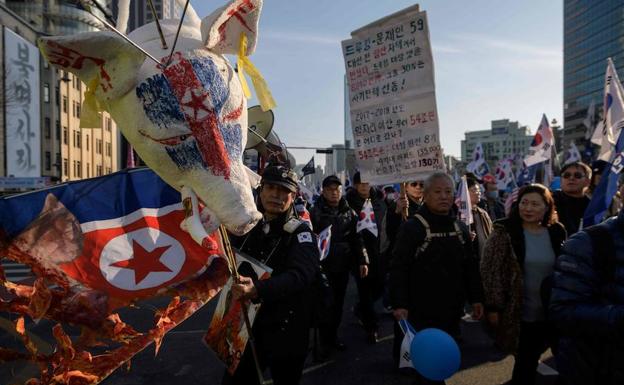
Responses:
[534,339]
[284,371]
[338,283]
[365,308]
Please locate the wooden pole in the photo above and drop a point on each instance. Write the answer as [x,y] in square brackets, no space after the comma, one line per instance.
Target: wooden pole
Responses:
[405,212]
[231,258]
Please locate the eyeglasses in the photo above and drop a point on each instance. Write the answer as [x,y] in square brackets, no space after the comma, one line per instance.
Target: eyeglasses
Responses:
[576,175]
[417,184]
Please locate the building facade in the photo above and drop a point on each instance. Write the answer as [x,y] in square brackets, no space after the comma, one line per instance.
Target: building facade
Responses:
[503,140]
[593,32]
[141,13]
[61,150]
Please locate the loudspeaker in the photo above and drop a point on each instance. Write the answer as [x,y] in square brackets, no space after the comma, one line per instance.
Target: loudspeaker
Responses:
[263,139]
[260,125]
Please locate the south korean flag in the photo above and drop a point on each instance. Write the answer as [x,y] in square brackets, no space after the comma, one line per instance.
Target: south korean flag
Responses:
[367,219]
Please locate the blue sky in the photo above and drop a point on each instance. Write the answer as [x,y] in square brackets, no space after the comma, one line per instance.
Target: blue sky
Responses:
[493,59]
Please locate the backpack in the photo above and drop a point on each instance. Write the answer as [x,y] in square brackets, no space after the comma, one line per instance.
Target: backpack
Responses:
[429,236]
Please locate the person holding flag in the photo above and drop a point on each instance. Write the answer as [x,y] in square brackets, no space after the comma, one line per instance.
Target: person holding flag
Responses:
[346,253]
[481,226]
[288,246]
[369,203]
[433,270]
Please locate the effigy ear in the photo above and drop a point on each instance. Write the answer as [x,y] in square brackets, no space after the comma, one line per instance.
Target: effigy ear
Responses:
[221,30]
[104,61]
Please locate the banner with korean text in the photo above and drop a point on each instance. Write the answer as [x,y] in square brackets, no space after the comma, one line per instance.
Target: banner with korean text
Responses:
[390,78]
[22,104]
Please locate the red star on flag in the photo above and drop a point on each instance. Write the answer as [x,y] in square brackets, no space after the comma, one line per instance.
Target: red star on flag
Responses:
[144,262]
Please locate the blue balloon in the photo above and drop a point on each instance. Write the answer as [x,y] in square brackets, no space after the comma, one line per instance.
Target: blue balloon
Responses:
[556,183]
[435,354]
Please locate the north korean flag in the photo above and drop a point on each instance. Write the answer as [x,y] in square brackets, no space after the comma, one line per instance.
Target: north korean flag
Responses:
[131,241]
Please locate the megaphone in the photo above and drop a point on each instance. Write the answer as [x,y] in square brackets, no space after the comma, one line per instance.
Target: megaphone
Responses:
[260,124]
[263,139]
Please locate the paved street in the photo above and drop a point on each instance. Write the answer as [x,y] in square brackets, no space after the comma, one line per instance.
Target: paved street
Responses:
[183,358]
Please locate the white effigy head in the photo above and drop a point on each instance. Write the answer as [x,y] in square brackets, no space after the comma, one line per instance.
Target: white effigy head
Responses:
[187,117]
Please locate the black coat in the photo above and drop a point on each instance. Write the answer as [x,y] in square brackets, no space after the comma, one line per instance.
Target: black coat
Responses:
[346,249]
[371,242]
[556,232]
[434,285]
[283,321]
[394,220]
[570,210]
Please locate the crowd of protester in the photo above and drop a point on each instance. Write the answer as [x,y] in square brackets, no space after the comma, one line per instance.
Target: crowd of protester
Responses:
[535,277]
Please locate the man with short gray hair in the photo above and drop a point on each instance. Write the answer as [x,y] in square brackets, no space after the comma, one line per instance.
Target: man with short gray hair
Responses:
[434,270]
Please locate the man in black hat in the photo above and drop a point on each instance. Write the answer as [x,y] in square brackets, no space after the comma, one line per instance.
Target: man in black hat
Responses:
[288,246]
[346,251]
[374,237]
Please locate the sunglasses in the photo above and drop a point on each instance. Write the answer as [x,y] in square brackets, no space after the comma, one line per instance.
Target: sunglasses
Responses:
[417,184]
[576,175]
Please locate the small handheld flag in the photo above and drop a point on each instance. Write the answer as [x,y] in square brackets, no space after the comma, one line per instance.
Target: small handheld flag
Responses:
[367,219]
[324,240]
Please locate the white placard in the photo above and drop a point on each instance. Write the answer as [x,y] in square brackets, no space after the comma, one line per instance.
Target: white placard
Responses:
[393,110]
[22,104]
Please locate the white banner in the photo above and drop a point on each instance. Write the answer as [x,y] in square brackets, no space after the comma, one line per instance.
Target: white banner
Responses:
[392,102]
[22,104]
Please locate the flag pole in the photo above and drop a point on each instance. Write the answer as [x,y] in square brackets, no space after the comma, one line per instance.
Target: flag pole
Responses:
[405,212]
[231,258]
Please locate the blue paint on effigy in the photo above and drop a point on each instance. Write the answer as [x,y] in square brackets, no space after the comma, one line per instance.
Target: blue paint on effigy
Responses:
[186,155]
[159,103]
[232,138]
[209,76]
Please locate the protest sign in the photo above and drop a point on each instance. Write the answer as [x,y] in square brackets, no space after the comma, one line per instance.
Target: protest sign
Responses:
[392,103]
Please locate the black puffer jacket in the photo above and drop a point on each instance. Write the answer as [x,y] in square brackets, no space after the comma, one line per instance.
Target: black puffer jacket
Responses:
[587,303]
[346,250]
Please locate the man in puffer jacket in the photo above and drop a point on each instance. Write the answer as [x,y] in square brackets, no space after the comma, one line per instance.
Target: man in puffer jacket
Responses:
[371,287]
[346,252]
[587,303]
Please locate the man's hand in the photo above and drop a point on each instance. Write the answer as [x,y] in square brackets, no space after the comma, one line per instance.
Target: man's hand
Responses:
[473,235]
[244,289]
[399,314]
[363,271]
[493,319]
[477,311]
[401,204]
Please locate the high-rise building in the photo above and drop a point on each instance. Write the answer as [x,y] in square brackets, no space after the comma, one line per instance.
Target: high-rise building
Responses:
[48,142]
[505,139]
[141,12]
[593,32]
